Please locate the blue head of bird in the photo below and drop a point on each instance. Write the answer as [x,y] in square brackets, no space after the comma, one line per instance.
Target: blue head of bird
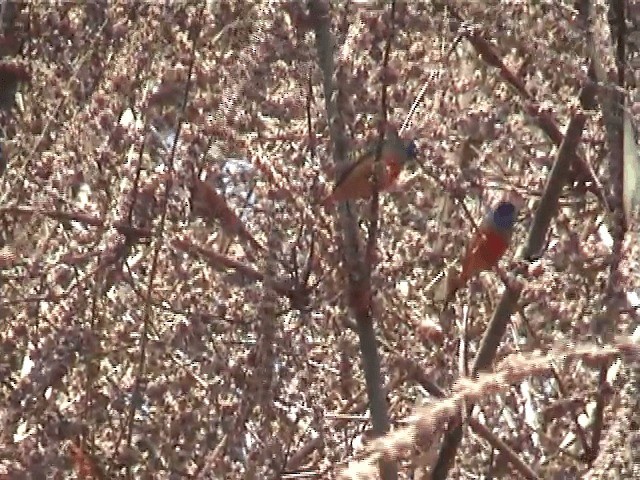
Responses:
[504,216]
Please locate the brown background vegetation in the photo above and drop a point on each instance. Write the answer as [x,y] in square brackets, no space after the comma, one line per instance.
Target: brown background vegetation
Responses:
[159,326]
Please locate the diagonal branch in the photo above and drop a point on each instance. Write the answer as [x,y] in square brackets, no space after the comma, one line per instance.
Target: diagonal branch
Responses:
[210,204]
[544,119]
[497,325]
[417,373]
[297,296]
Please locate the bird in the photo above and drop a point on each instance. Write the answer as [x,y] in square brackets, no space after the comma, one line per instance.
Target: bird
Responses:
[487,246]
[358,181]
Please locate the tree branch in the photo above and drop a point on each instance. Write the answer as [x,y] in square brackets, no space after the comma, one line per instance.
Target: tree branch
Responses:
[543,119]
[535,243]
[358,274]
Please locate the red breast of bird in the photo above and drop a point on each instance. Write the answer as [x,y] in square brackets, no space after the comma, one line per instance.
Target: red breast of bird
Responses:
[358,181]
[489,243]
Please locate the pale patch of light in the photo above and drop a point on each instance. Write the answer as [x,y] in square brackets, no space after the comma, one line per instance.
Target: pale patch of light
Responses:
[530,416]
[535,439]
[633,299]
[248,440]
[403,288]
[20,102]
[47,393]
[165,139]
[127,317]
[133,261]
[113,292]
[67,403]
[22,432]
[584,419]
[84,192]
[636,334]
[358,443]
[605,236]
[567,441]
[234,166]
[160,169]
[128,119]
[462,344]
[27,364]
[614,370]
[509,420]
[132,158]
[479,414]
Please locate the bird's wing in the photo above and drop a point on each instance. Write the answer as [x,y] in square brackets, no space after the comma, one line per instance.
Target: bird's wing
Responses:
[485,250]
[393,150]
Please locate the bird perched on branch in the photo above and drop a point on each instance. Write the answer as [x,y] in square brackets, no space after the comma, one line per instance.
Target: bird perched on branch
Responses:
[358,181]
[487,246]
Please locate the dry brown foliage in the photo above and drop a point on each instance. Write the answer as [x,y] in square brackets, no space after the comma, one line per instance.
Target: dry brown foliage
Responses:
[176,304]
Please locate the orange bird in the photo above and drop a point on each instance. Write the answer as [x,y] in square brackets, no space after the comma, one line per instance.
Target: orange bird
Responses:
[358,180]
[487,246]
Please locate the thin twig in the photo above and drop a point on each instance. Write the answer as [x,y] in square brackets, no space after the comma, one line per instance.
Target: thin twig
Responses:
[382,125]
[146,317]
